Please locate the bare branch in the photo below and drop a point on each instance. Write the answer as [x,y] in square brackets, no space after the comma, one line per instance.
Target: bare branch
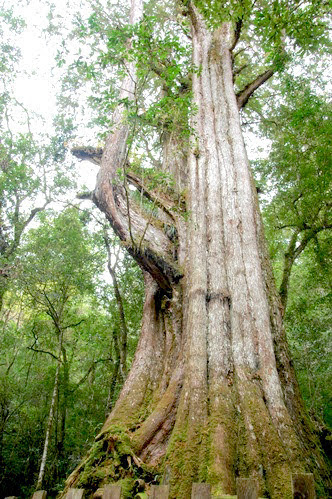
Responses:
[73,325]
[43,351]
[237,33]
[244,95]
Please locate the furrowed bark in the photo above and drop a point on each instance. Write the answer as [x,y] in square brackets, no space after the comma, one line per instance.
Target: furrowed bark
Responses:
[211,394]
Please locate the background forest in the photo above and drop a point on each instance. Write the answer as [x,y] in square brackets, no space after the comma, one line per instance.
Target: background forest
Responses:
[71,299]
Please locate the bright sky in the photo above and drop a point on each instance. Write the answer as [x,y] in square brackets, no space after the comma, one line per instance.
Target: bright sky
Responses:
[38,83]
[37,89]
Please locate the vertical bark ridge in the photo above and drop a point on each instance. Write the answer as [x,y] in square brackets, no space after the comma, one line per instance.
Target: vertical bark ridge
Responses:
[250,326]
[248,249]
[219,356]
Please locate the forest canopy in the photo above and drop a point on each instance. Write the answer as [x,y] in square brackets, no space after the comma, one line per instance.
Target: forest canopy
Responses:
[131,220]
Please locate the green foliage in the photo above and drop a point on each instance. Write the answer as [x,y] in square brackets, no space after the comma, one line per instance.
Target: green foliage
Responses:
[9,53]
[280,25]
[57,278]
[60,253]
[309,330]
[296,184]
[31,165]
[297,171]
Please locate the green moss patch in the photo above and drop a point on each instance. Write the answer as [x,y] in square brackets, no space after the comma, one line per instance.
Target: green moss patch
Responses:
[112,460]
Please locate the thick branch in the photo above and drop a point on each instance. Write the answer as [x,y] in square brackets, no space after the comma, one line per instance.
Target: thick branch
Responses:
[160,199]
[88,153]
[20,227]
[244,95]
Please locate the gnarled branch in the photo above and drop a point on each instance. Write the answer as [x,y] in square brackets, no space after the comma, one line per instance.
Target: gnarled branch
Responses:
[155,255]
[88,153]
[128,221]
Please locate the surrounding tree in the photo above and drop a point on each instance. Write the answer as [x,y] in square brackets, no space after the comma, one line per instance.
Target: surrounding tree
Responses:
[297,172]
[32,172]
[53,397]
[212,392]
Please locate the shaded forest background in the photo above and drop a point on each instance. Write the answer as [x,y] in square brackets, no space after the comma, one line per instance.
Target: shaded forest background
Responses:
[63,274]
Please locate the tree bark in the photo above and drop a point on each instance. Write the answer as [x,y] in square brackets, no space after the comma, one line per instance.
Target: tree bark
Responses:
[211,395]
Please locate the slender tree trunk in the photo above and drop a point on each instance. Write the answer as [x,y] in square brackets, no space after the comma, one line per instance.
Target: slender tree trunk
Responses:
[211,394]
[50,417]
[114,377]
[63,406]
[122,340]
[289,259]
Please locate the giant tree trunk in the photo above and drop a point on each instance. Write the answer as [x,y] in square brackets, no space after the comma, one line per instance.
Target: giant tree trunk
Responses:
[211,394]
